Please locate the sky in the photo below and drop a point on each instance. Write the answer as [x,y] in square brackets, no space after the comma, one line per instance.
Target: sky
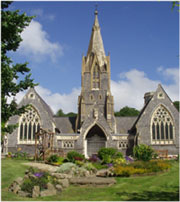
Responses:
[142,39]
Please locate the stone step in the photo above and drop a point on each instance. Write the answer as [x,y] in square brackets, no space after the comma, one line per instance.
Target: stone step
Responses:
[97,181]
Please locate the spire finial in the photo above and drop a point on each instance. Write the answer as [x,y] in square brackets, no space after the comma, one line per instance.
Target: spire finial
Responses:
[96,11]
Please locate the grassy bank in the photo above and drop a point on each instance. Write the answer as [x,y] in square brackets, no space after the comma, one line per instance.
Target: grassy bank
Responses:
[161,187]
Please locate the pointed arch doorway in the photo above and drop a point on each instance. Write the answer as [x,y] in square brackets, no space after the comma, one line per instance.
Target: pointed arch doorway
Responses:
[95,140]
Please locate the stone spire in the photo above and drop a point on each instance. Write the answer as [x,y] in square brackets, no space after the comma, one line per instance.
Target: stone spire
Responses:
[96,43]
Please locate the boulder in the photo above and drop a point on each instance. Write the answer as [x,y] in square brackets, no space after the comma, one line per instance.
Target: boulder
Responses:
[104,173]
[19,180]
[16,188]
[48,192]
[36,191]
[64,182]
[23,194]
[59,188]
[26,177]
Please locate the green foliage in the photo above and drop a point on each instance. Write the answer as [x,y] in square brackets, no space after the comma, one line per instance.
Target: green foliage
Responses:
[12,25]
[143,152]
[176,104]
[53,158]
[119,161]
[60,113]
[175,4]
[108,154]
[21,155]
[72,156]
[127,111]
[66,167]
[141,167]
[99,166]
[89,166]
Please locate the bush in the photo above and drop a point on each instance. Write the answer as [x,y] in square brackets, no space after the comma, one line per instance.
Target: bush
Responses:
[108,154]
[67,168]
[72,156]
[20,155]
[89,167]
[143,152]
[119,161]
[99,166]
[94,159]
[53,158]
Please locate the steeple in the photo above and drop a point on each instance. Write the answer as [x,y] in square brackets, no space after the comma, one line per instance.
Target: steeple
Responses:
[96,43]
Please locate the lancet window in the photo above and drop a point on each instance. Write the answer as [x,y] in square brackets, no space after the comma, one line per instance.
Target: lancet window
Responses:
[29,124]
[162,127]
[96,77]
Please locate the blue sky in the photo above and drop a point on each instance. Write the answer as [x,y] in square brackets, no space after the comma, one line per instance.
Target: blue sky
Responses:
[142,38]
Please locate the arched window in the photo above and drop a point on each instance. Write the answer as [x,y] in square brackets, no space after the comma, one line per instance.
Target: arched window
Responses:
[96,77]
[162,127]
[29,124]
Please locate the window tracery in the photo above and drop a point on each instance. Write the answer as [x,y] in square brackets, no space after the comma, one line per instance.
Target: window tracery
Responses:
[29,124]
[96,77]
[68,144]
[162,127]
[123,144]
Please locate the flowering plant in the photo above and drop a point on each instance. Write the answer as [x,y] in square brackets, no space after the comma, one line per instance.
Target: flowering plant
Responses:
[38,174]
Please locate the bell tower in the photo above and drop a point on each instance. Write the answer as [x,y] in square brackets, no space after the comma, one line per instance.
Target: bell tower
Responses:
[95,100]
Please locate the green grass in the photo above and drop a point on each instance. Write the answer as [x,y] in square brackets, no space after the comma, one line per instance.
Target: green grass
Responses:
[161,187]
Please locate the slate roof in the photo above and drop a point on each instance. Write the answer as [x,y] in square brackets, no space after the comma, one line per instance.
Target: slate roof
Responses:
[124,124]
[65,124]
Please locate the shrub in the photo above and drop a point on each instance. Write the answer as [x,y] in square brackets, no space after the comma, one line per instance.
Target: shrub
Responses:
[126,171]
[20,155]
[53,158]
[89,167]
[99,166]
[108,154]
[143,152]
[67,167]
[79,163]
[94,158]
[118,161]
[73,155]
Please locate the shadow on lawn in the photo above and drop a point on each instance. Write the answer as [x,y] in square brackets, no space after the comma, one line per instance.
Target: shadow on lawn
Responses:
[152,196]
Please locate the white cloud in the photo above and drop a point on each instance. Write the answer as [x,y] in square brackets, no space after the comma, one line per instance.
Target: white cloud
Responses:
[36,43]
[66,102]
[40,13]
[128,91]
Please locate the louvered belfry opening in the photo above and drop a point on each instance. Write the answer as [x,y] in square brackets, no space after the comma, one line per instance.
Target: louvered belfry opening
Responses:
[96,139]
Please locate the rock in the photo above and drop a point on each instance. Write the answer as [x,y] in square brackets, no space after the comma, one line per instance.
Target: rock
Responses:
[98,181]
[27,171]
[30,175]
[16,188]
[59,187]
[36,191]
[50,191]
[64,183]
[103,173]
[26,177]
[87,173]
[19,180]
[23,194]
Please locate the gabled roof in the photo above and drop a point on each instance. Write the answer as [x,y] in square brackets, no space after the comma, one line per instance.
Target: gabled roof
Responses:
[45,105]
[124,124]
[65,124]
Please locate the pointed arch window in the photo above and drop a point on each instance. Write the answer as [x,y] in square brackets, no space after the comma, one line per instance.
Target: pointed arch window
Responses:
[162,127]
[29,124]
[96,77]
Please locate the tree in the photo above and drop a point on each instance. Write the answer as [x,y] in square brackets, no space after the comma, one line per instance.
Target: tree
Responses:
[127,111]
[176,104]
[12,25]
[60,113]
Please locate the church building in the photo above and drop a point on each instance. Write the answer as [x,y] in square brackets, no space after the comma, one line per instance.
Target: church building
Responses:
[95,125]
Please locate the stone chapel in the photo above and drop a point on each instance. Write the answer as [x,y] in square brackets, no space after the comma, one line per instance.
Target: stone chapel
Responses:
[95,125]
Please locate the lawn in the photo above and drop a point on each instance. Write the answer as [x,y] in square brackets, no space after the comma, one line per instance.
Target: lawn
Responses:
[161,187]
